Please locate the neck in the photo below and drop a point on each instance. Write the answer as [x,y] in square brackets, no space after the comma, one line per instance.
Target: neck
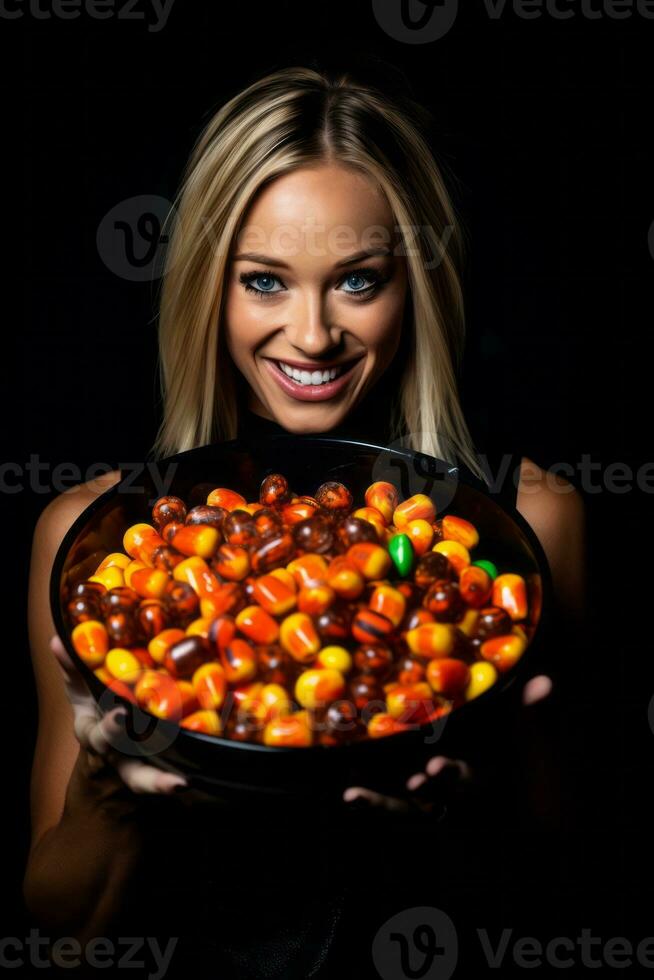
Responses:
[369,421]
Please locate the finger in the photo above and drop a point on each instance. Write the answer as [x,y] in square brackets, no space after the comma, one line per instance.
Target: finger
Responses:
[375,799]
[141,778]
[536,689]
[103,735]
[456,768]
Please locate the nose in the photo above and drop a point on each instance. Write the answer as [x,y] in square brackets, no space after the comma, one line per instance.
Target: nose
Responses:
[309,329]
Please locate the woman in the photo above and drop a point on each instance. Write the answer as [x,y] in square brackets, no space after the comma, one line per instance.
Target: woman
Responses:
[311,286]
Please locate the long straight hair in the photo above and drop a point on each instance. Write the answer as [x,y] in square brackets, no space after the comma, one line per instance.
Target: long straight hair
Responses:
[292,118]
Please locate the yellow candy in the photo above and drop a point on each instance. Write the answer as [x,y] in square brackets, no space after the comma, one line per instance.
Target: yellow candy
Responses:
[111,577]
[457,554]
[115,558]
[336,658]
[317,687]
[482,676]
[123,665]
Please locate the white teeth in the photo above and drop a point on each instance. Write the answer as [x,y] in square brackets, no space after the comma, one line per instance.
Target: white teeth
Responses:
[309,377]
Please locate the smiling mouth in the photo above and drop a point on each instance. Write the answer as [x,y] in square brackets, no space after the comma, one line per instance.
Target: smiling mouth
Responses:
[315,377]
[308,382]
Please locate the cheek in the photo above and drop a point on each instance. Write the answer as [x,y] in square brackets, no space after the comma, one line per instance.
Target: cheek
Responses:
[380,327]
[241,325]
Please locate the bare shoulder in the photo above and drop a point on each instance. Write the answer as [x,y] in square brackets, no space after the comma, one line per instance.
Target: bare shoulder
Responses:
[555,510]
[56,745]
[59,514]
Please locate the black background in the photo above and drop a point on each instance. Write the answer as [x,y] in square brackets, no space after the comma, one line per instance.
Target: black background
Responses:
[546,125]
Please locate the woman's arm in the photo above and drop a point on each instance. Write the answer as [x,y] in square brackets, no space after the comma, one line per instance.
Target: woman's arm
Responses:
[555,510]
[85,840]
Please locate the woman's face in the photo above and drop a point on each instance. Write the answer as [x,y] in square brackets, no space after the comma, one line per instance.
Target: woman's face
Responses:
[315,296]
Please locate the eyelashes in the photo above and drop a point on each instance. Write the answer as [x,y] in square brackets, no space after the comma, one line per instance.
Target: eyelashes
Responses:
[376,282]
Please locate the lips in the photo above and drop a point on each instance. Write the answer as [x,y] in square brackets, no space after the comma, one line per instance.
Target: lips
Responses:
[307,382]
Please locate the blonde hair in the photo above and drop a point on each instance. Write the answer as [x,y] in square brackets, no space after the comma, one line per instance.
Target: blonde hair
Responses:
[291,118]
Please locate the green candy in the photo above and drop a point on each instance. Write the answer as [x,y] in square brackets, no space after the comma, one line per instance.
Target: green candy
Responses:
[401,551]
[488,566]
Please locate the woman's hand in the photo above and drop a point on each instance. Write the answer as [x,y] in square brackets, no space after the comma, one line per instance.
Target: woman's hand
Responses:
[99,732]
[426,790]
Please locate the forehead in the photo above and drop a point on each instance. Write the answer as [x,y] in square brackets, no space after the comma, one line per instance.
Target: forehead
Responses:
[326,209]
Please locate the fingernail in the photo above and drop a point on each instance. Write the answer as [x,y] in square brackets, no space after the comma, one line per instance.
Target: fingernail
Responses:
[179,787]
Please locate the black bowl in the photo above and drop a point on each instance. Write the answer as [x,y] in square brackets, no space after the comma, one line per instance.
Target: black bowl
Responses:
[221,765]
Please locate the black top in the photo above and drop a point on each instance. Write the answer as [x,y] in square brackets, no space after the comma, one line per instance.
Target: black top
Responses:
[259,894]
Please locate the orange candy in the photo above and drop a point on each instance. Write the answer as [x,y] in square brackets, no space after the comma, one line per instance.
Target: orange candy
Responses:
[298,636]
[431,639]
[274,595]
[458,529]
[372,560]
[291,730]
[232,562]
[510,593]
[210,685]
[384,498]
[308,570]
[196,539]
[150,583]
[373,516]
[229,499]
[447,676]
[345,578]
[455,552]
[421,535]
[204,720]
[475,585]
[418,507]
[91,642]
[389,602]
[503,651]
[258,625]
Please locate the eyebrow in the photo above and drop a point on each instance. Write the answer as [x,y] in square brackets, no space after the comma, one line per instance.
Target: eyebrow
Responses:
[267,260]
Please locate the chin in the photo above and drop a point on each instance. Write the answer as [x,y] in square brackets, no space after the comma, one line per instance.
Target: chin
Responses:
[310,419]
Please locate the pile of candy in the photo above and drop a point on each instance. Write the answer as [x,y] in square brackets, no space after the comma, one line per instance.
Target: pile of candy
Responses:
[297,621]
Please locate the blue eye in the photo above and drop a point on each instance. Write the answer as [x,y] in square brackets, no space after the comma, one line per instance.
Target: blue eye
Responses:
[264,282]
[363,282]
[360,279]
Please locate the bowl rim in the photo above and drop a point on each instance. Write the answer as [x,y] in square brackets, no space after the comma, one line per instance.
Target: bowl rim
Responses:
[415,732]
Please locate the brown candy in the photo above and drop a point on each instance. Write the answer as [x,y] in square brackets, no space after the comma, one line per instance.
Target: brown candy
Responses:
[444,601]
[314,535]
[239,528]
[206,514]
[152,617]
[182,602]
[168,509]
[334,497]
[183,658]
[119,599]
[431,567]
[353,530]
[268,523]
[274,490]
[273,553]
